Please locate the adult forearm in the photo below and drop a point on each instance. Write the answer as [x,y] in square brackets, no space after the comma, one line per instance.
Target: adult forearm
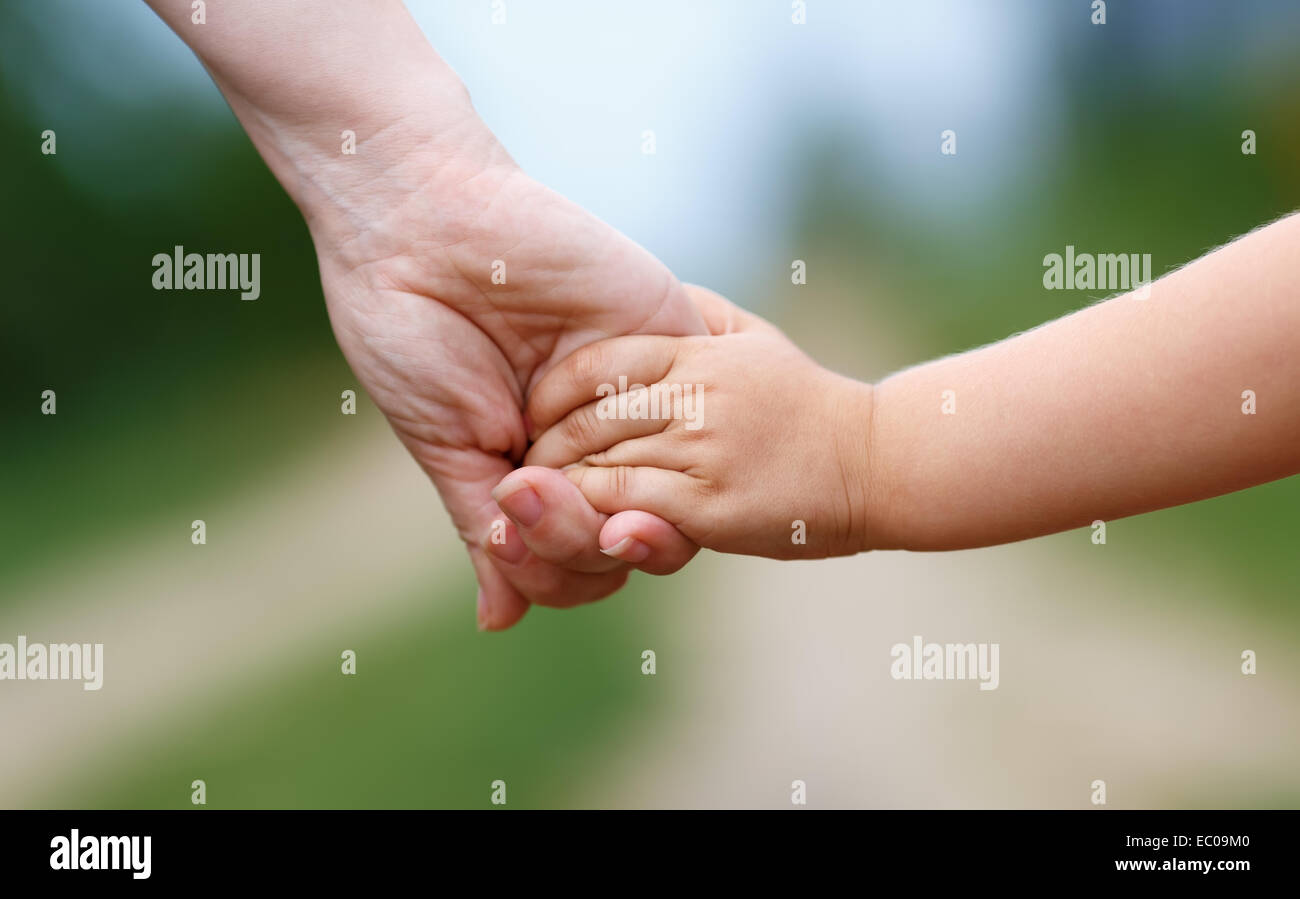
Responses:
[298,74]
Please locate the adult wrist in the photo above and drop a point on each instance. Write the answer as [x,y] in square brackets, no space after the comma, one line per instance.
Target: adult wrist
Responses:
[351,108]
[412,167]
[357,155]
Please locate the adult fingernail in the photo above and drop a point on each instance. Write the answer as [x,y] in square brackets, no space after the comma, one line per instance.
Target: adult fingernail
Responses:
[630,550]
[511,551]
[520,502]
[481,604]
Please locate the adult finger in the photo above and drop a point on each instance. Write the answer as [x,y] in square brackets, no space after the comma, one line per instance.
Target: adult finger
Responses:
[552,518]
[499,604]
[570,532]
[465,478]
[547,584]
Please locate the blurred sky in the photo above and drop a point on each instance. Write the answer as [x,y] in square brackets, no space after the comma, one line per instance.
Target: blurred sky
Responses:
[727,86]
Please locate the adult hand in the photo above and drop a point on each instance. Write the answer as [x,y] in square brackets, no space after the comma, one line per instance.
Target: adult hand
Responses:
[409,230]
[448,355]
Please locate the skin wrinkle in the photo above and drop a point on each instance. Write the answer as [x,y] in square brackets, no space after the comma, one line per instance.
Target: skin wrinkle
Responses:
[474,282]
[530,370]
[388,229]
[372,176]
[543,355]
[590,408]
[363,226]
[398,364]
[585,382]
[404,221]
[670,286]
[503,317]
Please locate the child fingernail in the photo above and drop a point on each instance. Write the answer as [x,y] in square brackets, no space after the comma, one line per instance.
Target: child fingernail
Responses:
[520,502]
[630,550]
[481,604]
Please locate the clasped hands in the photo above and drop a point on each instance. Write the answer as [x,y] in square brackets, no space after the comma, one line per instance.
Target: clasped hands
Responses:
[455,358]
[487,317]
[455,283]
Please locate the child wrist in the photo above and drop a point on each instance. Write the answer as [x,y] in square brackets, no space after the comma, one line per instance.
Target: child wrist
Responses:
[877,529]
[853,415]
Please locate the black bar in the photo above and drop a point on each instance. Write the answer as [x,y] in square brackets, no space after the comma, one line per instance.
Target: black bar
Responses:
[333,848]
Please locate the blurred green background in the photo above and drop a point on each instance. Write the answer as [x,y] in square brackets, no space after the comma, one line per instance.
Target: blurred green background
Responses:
[777,142]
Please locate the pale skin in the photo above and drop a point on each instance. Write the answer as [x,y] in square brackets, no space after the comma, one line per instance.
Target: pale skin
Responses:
[1123,407]
[408,232]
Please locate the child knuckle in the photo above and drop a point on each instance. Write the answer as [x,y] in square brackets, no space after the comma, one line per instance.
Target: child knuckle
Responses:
[621,477]
[587,366]
[582,427]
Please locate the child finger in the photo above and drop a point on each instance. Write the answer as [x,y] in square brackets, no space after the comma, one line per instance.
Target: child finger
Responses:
[721,316]
[653,451]
[668,494]
[646,541]
[587,430]
[595,370]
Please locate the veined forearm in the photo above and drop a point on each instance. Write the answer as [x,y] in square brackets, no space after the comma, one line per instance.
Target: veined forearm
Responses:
[1124,407]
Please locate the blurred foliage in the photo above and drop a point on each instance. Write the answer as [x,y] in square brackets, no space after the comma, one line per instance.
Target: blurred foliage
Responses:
[162,395]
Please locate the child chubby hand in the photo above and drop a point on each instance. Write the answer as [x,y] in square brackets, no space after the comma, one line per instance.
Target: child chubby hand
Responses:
[738,439]
[1185,389]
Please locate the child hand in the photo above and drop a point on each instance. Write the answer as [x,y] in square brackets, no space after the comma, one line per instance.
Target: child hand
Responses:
[740,440]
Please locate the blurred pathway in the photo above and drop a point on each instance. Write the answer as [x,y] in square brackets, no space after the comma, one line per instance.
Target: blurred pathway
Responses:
[1102,676]
[779,671]
[284,567]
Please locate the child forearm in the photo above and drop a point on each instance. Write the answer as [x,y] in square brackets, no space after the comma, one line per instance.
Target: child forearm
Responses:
[1124,407]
